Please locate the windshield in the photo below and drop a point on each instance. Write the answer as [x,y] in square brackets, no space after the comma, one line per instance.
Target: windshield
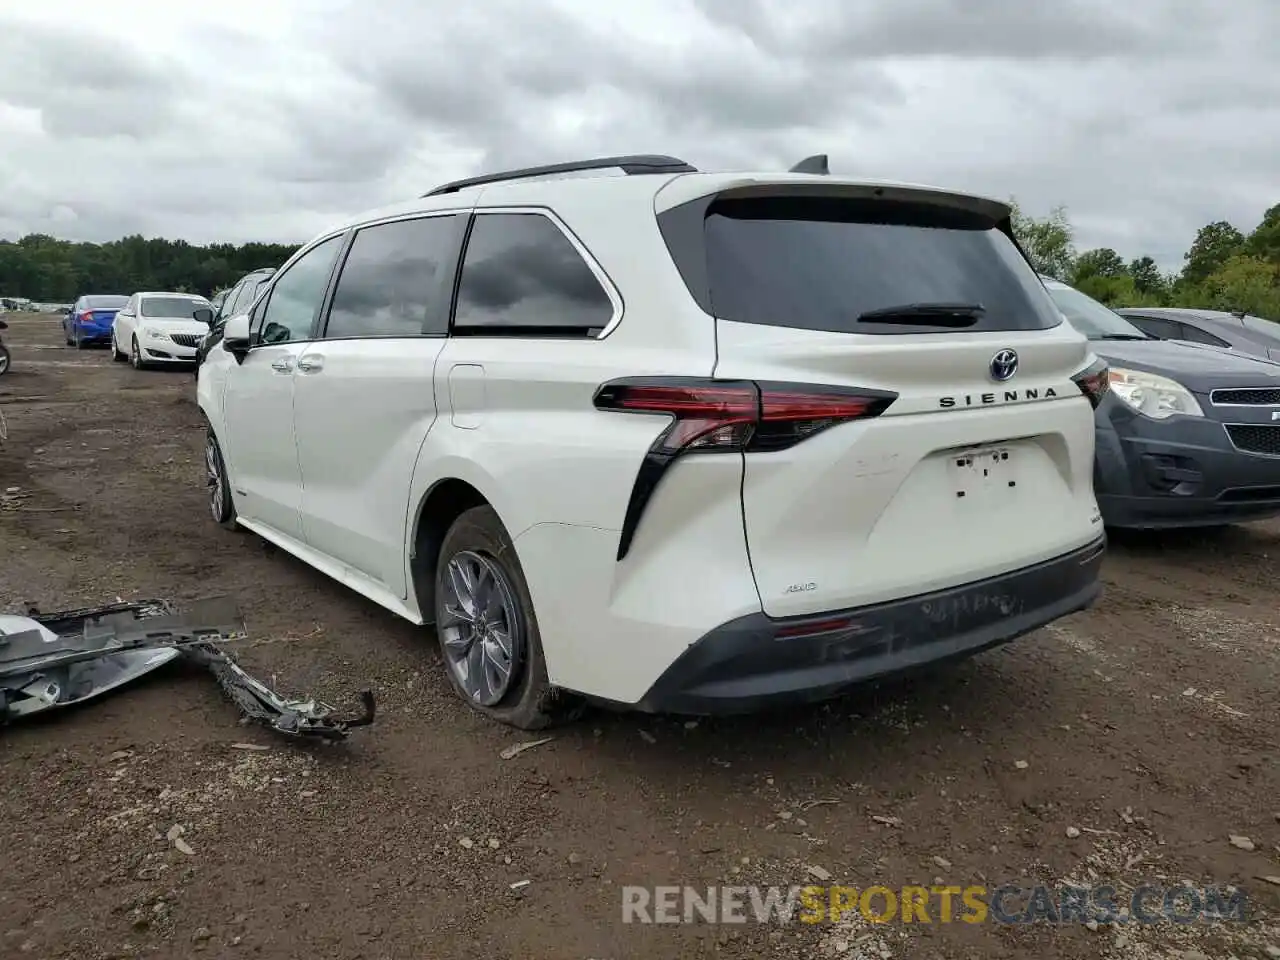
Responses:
[105,302]
[1090,317]
[176,307]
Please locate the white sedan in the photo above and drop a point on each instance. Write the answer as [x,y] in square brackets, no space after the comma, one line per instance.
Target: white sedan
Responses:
[159,328]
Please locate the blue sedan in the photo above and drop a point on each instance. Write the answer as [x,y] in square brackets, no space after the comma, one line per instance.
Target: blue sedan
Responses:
[89,321]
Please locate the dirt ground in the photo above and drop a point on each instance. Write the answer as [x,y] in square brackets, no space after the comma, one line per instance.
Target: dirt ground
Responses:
[1122,745]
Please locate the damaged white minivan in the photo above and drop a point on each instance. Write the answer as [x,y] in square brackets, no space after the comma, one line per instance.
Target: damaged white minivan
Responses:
[631,433]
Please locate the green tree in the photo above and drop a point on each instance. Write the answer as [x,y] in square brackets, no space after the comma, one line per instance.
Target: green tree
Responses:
[1102,262]
[1264,241]
[42,268]
[1047,241]
[1244,283]
[1214,244]
[1147,279]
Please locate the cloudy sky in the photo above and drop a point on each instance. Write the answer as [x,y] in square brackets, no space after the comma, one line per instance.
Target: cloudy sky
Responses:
[270,119]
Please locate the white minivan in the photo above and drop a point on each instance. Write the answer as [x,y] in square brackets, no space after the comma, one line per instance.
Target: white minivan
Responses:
[632,433]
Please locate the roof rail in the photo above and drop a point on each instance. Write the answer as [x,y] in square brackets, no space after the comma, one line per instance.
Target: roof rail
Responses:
[634,164]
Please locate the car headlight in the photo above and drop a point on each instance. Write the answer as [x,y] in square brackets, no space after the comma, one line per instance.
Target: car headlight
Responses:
[1153,395]
[155,334]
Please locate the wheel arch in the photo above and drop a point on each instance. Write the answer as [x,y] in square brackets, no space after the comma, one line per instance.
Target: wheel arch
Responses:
[443,502]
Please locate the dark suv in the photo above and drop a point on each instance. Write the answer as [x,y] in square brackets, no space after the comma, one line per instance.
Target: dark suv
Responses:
[237,300]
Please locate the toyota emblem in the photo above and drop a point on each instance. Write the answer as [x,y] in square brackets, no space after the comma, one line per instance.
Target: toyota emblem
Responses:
[1004,365]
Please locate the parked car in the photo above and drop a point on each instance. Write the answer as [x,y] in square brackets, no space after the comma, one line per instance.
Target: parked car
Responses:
[238,299]
[1190,434]
[89,320]
[215,302]
[676,441]
[159,328]
[1241,332]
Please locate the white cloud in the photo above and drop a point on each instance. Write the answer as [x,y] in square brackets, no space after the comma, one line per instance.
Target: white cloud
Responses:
[269,120]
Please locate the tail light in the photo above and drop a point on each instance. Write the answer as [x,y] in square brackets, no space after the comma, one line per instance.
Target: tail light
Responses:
[726,416]
[86,317]
[1094,381]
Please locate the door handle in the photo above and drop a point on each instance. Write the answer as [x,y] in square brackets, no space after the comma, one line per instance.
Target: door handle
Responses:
[311,363]
[282,365]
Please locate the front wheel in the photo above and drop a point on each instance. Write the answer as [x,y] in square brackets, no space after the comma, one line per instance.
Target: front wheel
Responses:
[487,630]
[4,359]
[135,355]
[221,506]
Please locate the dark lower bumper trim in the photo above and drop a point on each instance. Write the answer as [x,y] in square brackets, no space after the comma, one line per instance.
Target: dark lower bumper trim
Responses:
[756,661]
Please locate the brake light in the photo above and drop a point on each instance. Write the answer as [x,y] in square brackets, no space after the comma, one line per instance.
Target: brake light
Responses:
[726,416]
[86,317]
[1094,381]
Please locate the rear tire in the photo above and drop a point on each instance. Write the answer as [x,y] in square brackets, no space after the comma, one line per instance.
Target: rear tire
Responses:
[5,360]
[116,354]
[491,625]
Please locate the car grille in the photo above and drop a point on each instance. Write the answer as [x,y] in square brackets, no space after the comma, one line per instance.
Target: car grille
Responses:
[1255,438]
[186,339]
[1252,396]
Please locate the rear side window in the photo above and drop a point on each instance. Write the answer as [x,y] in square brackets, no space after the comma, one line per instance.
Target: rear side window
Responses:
[521,276]
[819,263]
[391,282]
[1157,327]
[1196,335]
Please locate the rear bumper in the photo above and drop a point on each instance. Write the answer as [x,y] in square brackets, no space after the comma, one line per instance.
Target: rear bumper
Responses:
[1180,472]
[90,334]
[745,665]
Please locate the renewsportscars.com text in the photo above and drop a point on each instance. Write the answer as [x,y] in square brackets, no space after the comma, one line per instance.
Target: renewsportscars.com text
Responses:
[1009,903]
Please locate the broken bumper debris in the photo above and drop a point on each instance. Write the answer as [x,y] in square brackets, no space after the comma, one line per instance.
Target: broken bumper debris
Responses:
[56,660]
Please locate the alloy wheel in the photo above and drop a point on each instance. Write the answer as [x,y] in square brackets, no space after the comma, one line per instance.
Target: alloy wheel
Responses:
[481,626]
[216,481]
[135,355]
[4,361]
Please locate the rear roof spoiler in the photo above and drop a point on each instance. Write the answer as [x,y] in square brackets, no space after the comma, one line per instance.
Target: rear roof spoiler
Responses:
[815,164]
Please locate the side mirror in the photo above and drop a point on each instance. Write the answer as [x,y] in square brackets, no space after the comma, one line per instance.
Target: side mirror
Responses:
[235,335]
[204,315]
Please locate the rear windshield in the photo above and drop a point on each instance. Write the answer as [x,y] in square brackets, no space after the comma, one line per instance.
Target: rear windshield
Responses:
[818,263]
[105,302]
[1267,328]
[176,307]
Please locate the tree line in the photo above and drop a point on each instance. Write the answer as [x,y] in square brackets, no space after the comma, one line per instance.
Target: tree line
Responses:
[46,270]
[1224,268]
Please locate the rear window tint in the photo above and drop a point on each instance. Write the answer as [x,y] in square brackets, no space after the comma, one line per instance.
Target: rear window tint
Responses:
[819,263]
[1267,328]
[105,302]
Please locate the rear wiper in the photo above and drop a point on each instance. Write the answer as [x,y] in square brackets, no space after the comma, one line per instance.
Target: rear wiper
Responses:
[927,314]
